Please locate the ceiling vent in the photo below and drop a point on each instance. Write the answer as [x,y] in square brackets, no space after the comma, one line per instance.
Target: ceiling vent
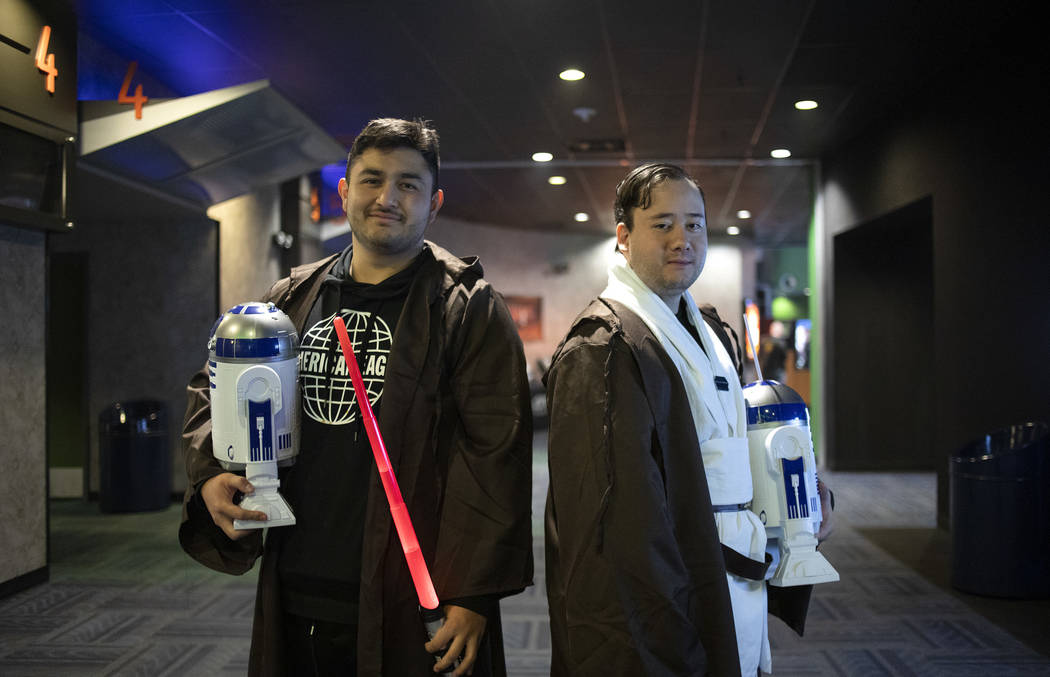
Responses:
[598,146]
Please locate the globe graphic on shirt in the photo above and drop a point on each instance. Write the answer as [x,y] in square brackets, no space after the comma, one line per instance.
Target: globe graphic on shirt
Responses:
[333,402]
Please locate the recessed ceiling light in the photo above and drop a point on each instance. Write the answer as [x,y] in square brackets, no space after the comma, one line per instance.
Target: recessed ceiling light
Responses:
[542,156]
[571,74]
[582,216]
[556,180]
[733,230]
[743,214]
[806,104]
[780,153]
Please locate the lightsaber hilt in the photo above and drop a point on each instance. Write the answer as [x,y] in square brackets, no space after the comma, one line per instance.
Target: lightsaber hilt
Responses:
[433,619]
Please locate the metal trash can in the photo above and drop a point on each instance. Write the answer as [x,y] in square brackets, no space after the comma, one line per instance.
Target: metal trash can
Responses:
[999,492]
[134,457]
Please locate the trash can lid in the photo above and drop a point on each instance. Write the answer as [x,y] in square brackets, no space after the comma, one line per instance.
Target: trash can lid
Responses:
[134,416]
[1025,437]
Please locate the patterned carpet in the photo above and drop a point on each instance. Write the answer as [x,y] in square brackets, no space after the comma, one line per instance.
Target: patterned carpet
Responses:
[124,600]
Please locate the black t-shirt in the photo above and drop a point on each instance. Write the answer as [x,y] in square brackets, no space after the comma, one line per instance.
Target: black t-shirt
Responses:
[683,317]
[320,557]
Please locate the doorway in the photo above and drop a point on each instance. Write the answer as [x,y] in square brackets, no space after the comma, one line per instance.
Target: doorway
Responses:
[67,392]
[883,338]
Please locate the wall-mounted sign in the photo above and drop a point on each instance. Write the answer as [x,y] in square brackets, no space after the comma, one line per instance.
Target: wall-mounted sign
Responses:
[38,75]
[46,62]
[527,313]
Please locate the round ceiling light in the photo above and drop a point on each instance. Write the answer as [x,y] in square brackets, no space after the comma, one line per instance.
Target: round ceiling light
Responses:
[780,153]
[733,230]
[572,74]
[743,214]
[542,156]
[582,216]
[556,180]
[806,104]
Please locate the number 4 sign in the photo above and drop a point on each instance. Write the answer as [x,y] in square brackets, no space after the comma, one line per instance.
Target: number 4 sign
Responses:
[138,99]
[44,61]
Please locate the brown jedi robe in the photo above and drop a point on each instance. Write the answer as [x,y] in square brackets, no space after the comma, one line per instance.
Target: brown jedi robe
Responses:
[456,420]
[635,573]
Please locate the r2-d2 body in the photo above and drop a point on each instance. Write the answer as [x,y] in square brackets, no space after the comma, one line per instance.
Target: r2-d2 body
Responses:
[254,369]
[784,472]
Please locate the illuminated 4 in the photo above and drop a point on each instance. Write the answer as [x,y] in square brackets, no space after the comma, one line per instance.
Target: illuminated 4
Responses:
[45,61]
[138,99]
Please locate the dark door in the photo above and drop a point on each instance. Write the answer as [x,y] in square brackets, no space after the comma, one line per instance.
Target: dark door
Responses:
[883,343]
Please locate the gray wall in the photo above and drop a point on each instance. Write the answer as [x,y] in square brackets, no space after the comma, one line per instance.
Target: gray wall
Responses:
[980,159]
[23,502]
[249,261]
[152,300]
[565,270]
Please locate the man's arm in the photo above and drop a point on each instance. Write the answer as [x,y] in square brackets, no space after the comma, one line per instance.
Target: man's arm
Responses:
[628,598]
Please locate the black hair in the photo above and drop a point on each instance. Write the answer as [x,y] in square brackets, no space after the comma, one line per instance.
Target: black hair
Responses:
[636,189]
[391,133]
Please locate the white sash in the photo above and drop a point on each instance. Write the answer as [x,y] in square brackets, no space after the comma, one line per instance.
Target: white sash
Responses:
[720,421]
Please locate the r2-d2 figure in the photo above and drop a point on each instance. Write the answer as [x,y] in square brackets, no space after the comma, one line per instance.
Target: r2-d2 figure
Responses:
[784,472]
[254,369]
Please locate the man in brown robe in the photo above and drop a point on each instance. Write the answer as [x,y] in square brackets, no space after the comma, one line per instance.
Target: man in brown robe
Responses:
[335,595]
[636,574]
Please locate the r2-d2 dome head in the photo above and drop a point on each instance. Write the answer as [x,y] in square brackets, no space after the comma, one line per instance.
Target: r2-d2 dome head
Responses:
[253,363]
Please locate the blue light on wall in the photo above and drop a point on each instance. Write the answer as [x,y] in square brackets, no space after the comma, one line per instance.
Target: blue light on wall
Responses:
[331,205]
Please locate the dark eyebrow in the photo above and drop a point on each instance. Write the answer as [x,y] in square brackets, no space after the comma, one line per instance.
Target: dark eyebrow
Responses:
[669,215]
[401,176]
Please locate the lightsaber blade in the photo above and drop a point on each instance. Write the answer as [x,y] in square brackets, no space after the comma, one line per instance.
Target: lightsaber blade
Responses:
[417,566]
[754,348]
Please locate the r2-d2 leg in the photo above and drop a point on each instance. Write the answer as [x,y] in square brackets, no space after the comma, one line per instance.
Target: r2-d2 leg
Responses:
[789,454]
[258,402]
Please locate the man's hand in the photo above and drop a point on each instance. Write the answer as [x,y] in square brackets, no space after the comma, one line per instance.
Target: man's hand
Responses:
[825,510]
[461,633]
[218,493]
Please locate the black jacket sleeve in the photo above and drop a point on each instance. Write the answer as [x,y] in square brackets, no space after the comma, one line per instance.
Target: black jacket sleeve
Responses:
[485,536]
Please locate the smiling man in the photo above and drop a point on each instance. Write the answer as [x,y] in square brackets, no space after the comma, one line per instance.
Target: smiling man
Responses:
[445,371]
[655,564]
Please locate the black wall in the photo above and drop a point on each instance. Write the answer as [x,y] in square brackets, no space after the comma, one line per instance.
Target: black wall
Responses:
[974,142]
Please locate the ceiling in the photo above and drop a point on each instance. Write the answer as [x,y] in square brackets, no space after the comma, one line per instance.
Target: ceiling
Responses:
[707,83]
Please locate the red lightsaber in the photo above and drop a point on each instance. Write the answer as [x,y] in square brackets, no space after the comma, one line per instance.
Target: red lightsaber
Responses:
[417,566]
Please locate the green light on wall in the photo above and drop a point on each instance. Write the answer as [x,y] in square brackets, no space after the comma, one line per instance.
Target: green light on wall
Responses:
[787,309]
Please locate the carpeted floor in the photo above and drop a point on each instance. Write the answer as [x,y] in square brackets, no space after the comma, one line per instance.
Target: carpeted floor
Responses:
[124,600]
